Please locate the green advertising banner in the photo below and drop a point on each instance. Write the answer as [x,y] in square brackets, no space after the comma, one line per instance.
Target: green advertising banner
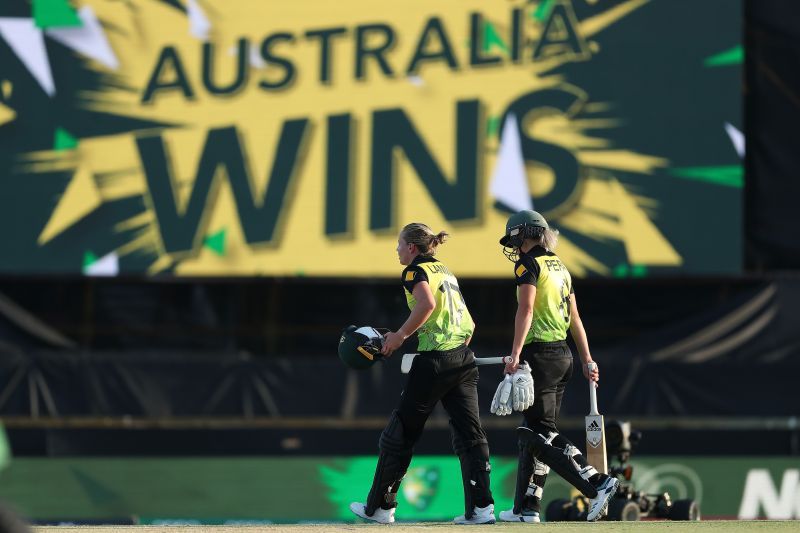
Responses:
[228,490]
[222,138]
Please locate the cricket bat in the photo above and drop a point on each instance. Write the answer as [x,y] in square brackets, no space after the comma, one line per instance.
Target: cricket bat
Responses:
[408,360]
[595,431]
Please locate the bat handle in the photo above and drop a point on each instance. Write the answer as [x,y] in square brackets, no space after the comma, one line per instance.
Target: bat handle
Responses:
[492,360]
[592,391]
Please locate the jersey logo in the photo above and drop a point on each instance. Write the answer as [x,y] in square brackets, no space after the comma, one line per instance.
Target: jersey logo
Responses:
[520,271]
[410,275]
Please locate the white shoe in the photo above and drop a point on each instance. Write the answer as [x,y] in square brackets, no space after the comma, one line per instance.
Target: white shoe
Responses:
[599,504]
[381,516]
[525,516]
[482,515]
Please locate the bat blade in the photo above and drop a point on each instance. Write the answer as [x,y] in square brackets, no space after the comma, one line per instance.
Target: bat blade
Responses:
[595,430]
[596,443]
[408,360]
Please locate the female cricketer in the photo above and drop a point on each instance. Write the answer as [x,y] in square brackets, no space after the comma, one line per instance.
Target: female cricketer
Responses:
[546,309]
[444,370]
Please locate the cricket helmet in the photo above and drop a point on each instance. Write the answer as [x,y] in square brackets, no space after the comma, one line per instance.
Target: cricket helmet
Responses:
[360,348]
[523,225]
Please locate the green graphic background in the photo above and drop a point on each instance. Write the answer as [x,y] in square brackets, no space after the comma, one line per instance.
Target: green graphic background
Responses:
[281,489]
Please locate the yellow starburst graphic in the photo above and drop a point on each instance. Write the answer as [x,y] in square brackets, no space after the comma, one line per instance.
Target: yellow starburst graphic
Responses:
[340,71]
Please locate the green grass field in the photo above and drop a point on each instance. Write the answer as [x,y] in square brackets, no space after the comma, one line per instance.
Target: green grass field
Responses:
[721,526]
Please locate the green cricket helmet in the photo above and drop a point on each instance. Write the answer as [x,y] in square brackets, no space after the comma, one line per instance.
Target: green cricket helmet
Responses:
[360,348]
[523,225]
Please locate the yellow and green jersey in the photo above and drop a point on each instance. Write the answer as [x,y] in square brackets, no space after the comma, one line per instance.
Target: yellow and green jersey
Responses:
[553,284]
[450,323]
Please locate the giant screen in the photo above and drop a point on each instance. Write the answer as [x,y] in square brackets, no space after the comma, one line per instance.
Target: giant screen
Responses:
[252,137]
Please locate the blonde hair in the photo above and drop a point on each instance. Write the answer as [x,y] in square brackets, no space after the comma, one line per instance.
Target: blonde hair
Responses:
[545,237]
[549,239]
[423,237]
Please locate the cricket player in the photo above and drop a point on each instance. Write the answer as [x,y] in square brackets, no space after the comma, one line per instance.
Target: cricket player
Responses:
[444,370]
[546,309]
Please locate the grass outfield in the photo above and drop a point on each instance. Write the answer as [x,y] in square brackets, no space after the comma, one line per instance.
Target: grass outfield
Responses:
[761,526]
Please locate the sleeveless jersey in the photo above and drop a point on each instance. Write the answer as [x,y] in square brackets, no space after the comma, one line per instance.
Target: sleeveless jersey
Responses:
[551,308]
[450,323]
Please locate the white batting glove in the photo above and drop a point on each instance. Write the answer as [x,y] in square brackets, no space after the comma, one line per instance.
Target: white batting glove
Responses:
[502,401]
[522,392]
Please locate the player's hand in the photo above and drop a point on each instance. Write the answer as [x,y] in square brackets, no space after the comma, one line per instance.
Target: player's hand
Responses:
[391,342]
[512,366]
[594,375]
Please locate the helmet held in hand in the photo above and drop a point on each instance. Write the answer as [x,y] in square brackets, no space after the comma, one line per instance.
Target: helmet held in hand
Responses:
[360,347]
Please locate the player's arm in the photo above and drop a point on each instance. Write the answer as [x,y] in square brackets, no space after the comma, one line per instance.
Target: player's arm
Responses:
[522,323]
[578,333]
[421,312]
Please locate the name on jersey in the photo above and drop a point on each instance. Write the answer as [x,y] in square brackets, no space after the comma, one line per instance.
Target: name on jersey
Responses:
[554,265]
[438,268]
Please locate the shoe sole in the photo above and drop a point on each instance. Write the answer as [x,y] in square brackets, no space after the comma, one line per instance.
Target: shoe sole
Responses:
[605,505]
[526,519]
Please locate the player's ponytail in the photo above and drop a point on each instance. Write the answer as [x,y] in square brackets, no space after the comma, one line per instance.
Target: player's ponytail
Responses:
[549,239]
[423,237]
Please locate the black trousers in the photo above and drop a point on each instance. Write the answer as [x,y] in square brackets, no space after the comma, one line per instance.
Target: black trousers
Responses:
[551,367]
[452,378]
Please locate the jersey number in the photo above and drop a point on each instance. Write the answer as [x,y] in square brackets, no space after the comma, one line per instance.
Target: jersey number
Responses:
[564,306]
[448,289]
